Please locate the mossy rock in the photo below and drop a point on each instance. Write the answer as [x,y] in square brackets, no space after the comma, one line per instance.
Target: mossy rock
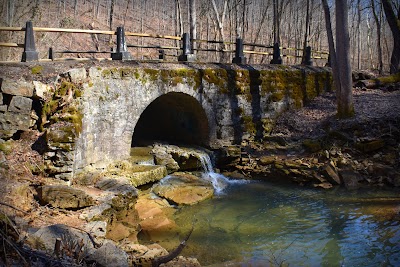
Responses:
[369,146]
[6,147]
[37,69]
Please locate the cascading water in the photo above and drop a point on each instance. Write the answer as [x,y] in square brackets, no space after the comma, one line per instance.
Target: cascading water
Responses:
[219,181]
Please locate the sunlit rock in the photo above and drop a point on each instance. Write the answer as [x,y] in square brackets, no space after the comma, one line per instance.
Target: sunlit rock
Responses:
[183,188]
[66,197]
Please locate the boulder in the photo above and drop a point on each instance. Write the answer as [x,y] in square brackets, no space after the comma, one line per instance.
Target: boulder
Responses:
[166,159]
[68,235]
[178,158]
[108,255]
[184,189]
[370,145]
[350,179]
[65,197]
[17,87]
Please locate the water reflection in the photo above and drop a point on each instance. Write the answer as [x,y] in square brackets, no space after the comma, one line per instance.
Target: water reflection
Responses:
[260,224]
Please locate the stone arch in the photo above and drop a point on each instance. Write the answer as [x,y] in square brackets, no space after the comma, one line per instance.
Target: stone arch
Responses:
[174,117]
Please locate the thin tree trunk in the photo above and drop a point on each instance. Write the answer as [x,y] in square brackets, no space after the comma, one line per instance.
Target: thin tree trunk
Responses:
[75,7]
[193,30]
[306,31]
[358,34]
[111,13]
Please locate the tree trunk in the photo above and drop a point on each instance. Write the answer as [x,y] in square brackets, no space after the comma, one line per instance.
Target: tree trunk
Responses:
[394,24]
[344,94]
[378,34]
[75,7]
[111,13]
[303,60]
[358,34]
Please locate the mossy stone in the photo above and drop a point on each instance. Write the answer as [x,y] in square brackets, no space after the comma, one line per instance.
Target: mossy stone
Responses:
[37,69]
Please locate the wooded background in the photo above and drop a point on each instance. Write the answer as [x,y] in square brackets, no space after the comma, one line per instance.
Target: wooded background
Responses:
[292,23]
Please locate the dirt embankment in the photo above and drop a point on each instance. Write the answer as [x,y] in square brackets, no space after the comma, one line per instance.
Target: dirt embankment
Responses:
[310,146]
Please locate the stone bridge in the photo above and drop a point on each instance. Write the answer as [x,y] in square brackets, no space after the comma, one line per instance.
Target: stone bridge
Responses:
[92,113]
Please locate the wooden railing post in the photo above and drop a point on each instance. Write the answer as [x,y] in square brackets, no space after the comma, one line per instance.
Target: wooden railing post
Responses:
[239,55]
[276,56]
[307,56]
[122,52]
[187,54]
[51,53]
[161,55]
[30,53]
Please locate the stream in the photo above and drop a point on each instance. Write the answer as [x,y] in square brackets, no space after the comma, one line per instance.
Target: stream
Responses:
[264,224]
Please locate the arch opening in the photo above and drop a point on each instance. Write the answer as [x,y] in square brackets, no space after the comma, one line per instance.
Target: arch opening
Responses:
[175,118]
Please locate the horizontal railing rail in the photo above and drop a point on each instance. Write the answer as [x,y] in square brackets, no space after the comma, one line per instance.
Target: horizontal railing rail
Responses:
[186,49]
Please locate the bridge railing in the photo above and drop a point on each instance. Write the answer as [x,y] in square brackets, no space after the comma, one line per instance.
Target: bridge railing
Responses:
[185,49]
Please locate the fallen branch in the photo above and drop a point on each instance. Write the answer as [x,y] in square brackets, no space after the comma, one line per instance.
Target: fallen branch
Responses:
[173,254]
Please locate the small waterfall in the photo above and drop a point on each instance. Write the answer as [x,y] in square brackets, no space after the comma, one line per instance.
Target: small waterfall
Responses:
[218,181]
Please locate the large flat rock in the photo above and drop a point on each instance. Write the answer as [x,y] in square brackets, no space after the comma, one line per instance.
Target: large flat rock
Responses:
[184,189]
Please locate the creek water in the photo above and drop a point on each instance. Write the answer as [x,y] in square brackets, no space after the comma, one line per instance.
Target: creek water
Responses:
[262,224]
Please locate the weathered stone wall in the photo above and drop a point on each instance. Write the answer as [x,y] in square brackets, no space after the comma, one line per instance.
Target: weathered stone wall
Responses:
[89,113]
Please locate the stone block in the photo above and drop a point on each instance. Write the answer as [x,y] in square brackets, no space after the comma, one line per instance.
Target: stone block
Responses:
[65,197]
[77,75]
[41,89]
[20,104]
[3,108]
[19,87]
[10,121]
[65,134]
[1,99]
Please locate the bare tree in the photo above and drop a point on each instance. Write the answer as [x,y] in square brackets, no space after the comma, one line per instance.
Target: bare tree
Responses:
[378,34]
[220,22]
[394,24]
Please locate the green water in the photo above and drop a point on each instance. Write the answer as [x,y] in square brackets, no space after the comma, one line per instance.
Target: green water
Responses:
[260,224]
